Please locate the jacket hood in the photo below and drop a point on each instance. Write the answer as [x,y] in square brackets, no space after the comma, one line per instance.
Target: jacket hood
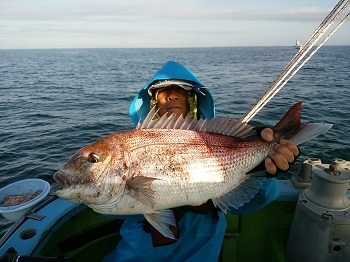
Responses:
[140,105]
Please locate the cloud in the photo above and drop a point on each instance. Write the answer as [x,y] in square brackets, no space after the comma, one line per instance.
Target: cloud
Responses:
[163,23]
[140,10]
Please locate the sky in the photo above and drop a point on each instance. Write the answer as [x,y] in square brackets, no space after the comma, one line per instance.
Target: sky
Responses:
[37,24]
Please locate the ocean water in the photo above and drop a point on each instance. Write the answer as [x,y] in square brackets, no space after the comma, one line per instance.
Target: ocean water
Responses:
[53,102]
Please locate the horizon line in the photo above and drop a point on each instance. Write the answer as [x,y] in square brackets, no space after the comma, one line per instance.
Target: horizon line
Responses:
[189,47]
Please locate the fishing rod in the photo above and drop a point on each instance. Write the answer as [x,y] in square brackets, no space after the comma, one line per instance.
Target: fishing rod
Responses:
[297,61]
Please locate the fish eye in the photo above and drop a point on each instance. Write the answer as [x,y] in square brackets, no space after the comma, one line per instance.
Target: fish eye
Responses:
[93,158]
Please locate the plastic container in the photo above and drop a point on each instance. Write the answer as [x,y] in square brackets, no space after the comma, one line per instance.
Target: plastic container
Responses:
[23,187]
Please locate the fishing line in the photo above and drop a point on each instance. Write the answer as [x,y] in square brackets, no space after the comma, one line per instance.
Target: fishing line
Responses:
[292,67]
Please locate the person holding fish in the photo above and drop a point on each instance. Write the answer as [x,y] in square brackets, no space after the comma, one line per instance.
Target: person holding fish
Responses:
[199,230]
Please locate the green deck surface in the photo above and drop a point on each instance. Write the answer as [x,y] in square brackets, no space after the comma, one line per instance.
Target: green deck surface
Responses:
[258,236]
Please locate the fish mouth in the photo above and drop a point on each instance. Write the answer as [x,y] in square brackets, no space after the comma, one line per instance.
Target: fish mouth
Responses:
[63,179]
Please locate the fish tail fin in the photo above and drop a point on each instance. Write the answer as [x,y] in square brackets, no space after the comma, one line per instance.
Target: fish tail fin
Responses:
[290,127]
[309,131]
[289,122]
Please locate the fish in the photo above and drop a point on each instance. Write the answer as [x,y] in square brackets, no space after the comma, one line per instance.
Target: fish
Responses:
[174,161]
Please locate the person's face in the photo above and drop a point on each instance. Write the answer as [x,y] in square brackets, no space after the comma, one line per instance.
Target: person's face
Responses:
[173,100]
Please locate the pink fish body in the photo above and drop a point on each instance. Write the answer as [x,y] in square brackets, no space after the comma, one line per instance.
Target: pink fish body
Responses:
[170,162]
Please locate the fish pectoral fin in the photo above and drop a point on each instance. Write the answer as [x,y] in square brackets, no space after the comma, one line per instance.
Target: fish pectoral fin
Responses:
[242,193]
[140,187]
[107,207]
[161,220]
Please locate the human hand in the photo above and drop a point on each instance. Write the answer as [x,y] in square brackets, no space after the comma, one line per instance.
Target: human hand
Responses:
[281,155]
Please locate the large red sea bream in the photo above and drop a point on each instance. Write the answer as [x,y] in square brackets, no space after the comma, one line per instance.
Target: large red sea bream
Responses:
[172,161]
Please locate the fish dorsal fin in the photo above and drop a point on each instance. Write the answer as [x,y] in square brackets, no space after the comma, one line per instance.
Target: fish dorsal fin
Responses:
[242,193]
[220,125]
